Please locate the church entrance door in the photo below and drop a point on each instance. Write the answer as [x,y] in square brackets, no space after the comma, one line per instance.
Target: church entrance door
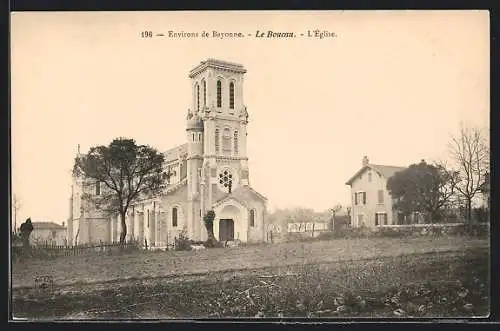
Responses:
[226,230]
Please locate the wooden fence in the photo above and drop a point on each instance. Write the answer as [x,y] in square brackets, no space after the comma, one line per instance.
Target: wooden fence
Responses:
[52,250]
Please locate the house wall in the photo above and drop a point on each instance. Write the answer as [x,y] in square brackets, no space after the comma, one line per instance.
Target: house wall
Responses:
[48,236]
[372,206]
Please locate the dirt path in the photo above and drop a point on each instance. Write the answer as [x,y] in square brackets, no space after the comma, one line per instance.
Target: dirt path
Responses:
[95,269]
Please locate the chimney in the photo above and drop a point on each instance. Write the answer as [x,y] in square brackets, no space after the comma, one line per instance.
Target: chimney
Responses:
[365,161]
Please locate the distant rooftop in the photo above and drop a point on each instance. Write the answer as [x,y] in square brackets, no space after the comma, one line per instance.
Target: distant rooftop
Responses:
[47,226]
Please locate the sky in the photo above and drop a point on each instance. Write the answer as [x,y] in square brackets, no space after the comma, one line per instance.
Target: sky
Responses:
[391,85]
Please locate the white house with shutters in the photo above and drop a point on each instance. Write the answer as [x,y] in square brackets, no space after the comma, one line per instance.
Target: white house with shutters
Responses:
[371,201]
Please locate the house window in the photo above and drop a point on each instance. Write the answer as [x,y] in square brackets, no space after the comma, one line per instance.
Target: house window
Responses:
[380,196]
[174,217]
[98,188]
[54,233]
[219,94]
[217,147]
[226,140]
[360,198]
[204,93]
[252,218]
[197,97]
[369,177]
[235,142]
[380,218]
[231,95]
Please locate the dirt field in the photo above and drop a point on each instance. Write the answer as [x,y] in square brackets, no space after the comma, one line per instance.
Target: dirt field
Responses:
[79,269]
[429,285]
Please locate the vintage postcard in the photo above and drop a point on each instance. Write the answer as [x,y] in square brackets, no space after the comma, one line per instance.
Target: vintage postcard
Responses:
[250,164]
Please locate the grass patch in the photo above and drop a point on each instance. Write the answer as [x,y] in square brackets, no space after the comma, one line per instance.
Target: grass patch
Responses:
[452,284]
[141,264]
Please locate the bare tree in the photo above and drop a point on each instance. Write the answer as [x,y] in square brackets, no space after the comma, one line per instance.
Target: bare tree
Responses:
[471,155]
[16,205]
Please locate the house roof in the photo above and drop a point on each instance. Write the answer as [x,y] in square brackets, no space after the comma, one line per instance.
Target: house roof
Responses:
[384,170]
[47,226]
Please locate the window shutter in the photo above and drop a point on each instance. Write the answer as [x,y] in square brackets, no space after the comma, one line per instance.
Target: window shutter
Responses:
[364,198]
[376,219]
[355,198]
[385,219]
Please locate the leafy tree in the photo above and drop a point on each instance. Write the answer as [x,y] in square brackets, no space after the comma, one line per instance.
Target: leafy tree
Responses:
[209,225]
[127,170]
[471,155]
[25,230]
[423,188]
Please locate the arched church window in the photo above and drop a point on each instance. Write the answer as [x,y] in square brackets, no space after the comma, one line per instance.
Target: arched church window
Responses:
[174,217]
[204,93]
[235,142]
[231,95]
[197,97]
[252,218]
[219,94]
[226,141]
[217,149]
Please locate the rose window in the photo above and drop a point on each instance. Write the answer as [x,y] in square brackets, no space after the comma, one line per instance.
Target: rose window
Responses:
[226,179]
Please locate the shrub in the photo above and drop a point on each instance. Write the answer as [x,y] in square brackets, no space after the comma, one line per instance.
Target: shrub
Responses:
[392,233]
[182,242]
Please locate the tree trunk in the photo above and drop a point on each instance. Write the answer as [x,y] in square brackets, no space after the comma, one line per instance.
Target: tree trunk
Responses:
[211,241]
[123,235]
[469,210]
[26,240]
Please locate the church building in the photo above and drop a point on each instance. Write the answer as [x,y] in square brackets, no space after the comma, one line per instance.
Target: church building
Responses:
[209,171]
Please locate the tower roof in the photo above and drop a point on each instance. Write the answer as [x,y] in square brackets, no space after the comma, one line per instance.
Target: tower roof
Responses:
[217,64]
[195,123]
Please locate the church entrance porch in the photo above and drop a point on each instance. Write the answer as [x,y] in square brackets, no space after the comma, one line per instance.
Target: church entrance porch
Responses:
[230,221]
[226,230]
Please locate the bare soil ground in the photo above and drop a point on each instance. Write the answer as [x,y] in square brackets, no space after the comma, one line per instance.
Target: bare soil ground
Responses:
[445,284]
[97,269]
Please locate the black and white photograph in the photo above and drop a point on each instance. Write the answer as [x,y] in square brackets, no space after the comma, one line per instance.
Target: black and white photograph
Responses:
[194,165]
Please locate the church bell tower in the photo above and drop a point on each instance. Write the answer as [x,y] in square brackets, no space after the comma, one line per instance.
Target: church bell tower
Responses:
[218,113]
